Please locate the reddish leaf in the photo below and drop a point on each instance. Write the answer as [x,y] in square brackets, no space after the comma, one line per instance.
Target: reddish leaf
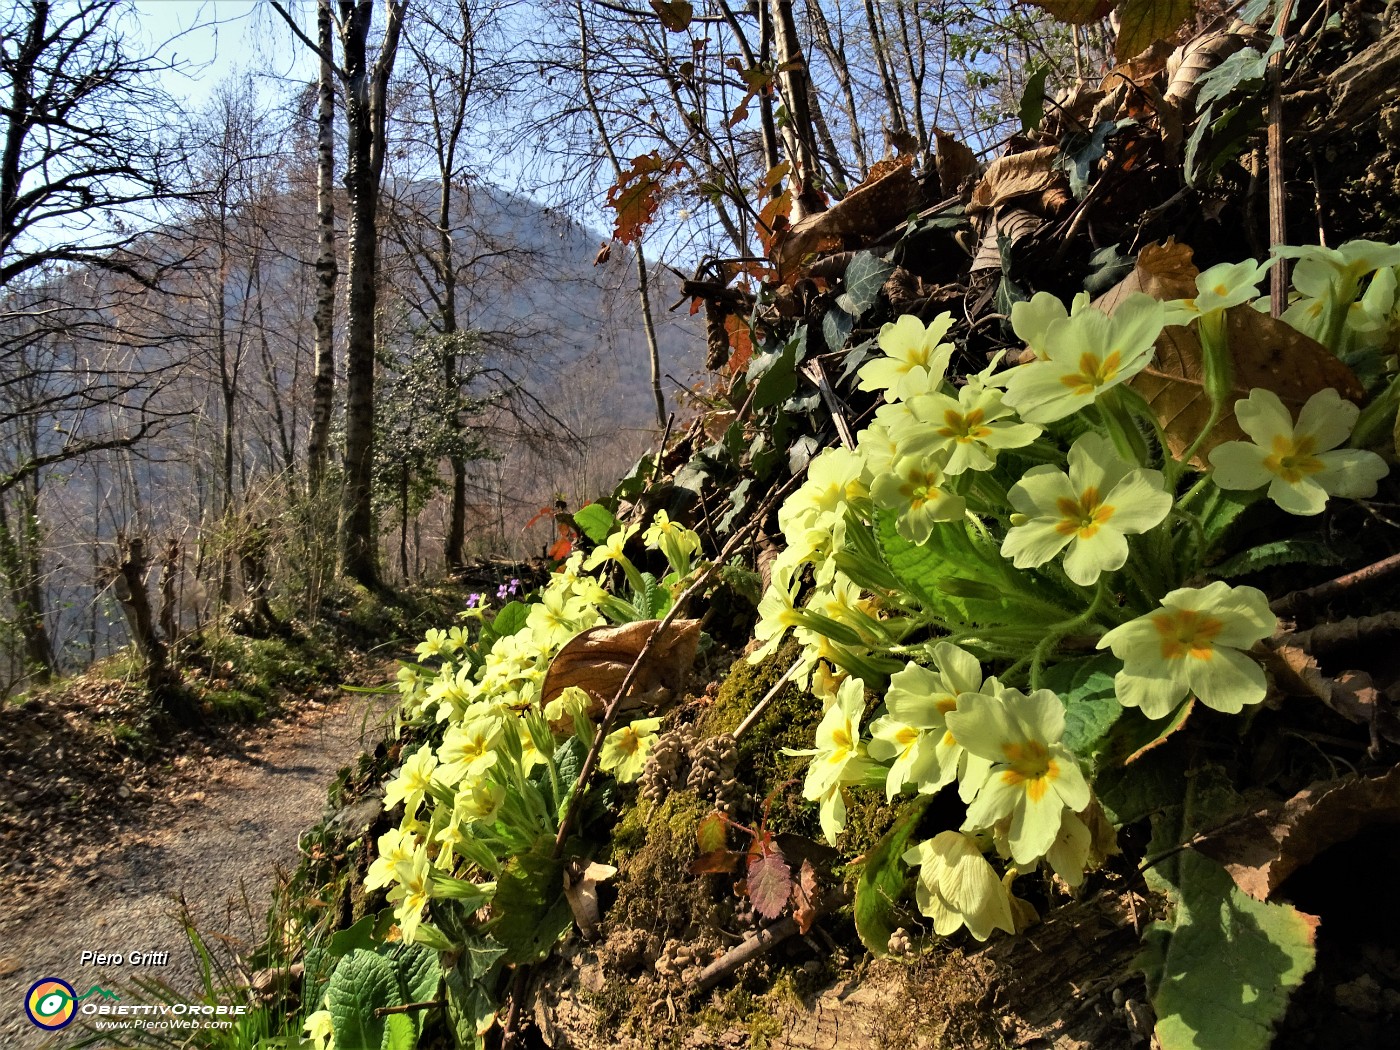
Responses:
[561,548]
[773,219]
[635,196]
[804,897]
[716,862]
[770,883]
[740,343]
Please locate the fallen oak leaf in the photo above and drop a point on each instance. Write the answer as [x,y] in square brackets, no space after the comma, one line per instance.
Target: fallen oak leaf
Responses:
[1261,849]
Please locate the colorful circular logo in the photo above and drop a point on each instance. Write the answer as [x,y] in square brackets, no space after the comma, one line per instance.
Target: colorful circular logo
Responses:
[51,1003]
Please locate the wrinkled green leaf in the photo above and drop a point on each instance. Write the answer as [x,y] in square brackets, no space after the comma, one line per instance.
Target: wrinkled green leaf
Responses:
[880,887]
[362,982]
[418,973]
[1280,552]
[1221,969]
[595,521]
[1091,705]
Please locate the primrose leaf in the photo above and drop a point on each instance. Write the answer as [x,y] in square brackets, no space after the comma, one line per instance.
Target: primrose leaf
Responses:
[770,882]
[1091,705]
[595,521]
[362,982]
[881,883]
[418,973]
[1221,969]
[1279,552]
[361,935]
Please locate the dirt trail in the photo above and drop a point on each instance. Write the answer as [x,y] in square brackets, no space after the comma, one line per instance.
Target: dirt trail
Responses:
[236,822]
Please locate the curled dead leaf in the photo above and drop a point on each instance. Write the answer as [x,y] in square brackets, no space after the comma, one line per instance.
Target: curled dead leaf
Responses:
[581,891]
[872,209]
[598,660]
[1261,849]
[1032,174]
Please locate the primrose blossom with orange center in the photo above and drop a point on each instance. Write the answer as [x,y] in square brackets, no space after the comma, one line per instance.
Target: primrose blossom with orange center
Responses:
[1193,645]
[1034,780]
[1085,354]
[1090,511]
[1299,462]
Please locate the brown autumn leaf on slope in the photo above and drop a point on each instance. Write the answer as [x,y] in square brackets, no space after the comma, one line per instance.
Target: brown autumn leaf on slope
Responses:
[1263,848]
[1267,353]
[598,660]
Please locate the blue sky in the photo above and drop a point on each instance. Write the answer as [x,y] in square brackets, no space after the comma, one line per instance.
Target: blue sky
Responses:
[213,39]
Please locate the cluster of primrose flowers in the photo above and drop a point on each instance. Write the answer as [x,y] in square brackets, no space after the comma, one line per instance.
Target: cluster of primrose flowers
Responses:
[1053,482]
[491,787]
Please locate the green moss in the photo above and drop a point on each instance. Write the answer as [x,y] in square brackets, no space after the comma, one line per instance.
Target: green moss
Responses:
[653,847]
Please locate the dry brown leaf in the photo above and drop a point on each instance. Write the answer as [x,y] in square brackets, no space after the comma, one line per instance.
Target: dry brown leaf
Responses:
[1031,174]
[1199,55]
[1076,12]
[805,895]
[869,211]
[1011,223]
[598,660]
[1267,353]
[955,163]
[1262,849]
[1142,23]
[581,891]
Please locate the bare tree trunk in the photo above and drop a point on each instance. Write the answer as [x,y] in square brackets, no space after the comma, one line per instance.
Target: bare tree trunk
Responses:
[365,102]
[19,564]
[797,132]
[323,387]
[878,46]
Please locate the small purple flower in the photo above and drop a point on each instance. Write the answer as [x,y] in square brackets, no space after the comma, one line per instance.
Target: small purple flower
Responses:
[473,600]
[502,592]
[514,585]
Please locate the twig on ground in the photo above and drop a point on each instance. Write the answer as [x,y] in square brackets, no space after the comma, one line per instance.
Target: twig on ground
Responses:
[1300,601]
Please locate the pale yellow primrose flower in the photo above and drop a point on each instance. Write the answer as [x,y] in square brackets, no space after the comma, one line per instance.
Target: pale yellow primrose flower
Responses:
[1219,288]
[1034,778]
[1297,461]
[1193,644]
[437,643]
[1336,272]
[918,702]
[777,611]
[396,846]
[969,430]
[1086,354]
[468,749]
[319,1030]
[413,782]
[412,893]
[839,757]
[1090,510]
[916,357]
[1032,320]
[916,487]
[958,887]
[611,548]
[624,752]
[672,539]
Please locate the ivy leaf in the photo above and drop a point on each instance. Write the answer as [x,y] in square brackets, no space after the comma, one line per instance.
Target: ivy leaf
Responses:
[595,521]
[361,935]
[1032,109]
[1221,969]
[529,910]
[881,882]
[837,326]
[481,952]
[770,882]
[1245,66]
[865,276]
